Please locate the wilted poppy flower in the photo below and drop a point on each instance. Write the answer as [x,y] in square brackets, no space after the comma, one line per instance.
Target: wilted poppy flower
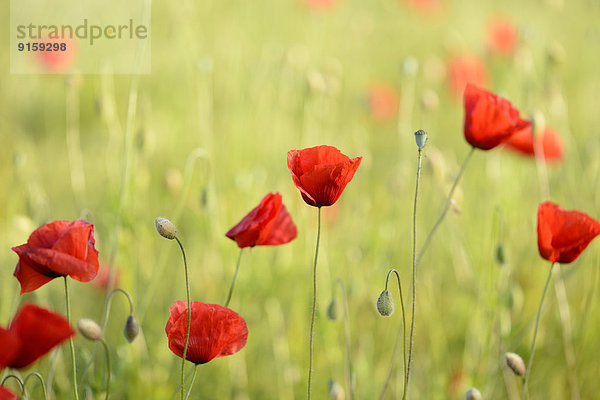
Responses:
[57,249]
[563,235]
[383,102]
[215,331]
[6,394]
[489,119]
[548,141]
[465,69]
[61,60]
[268,224]
[502,37]
[321,173]
[33,332]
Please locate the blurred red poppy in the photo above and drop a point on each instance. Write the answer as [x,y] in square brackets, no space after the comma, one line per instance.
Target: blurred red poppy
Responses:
[6,394]
[425,6]
[321,4]
[563,235]
[321,173]
[57,60]
[268,224]
[102,277]
[502,37]
[489,119]
[215,331]
[383,102]
[57,249]
[464,69]
[33,332]
[548,141]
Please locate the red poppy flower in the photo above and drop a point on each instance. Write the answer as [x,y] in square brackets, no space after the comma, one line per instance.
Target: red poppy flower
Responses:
[489,119]
[215,331]
[548,141]
[321,4]
[563,235]
[57,249]
[101,280]
[383,102]
[33,332]
[425,6]
[6,394]
[465,69]
[269,224]
[321,173]
[58,61]
[502,37]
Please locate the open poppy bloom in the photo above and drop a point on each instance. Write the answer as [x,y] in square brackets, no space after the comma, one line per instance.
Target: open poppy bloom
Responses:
[548,142]
[215,331]
[502,37]
[464,69]
[321,173]
[563,235]
[268,224]
[33,332]
[6,394]
[57,249]
[489,118]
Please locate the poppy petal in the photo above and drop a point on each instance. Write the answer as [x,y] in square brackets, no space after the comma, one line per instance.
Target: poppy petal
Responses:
[9,346]
[6,394]
[28,275]
[46,235]
[283,230]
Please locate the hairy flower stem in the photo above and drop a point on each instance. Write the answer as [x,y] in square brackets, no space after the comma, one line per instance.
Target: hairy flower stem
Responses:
[348,369]
[525,394]
[192,382]
[237,269]
[314,305]
[108,369]
[189,319]
[446,206]
[414,274]
[72,345]
[401,330]
[37,375]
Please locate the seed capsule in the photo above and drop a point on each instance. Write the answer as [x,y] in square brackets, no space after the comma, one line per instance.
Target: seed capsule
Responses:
[420,138]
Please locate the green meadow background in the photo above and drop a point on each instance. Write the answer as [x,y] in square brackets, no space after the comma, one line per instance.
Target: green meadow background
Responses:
[200,140]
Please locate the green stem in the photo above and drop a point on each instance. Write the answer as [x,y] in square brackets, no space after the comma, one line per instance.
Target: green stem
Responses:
[16,378]
[348,369]
[191,382]
[403,331]
[189,321]
[37,375]
[72,345]
[525,394]
[414,274]
[108,369]
[314,305]
[446,206]
[237,269]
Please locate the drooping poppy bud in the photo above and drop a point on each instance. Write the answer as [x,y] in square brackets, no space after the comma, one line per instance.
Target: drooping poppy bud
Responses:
[385,304]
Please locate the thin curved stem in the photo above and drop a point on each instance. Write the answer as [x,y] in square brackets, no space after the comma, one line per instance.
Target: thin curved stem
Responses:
[446,206]
[403,331]
[237,269]
[72,345]
[525,394]
[189,320]
[348,369]
[314,305]
[16,378]
[414,274]
[192,382]
[108,369]
[37,375]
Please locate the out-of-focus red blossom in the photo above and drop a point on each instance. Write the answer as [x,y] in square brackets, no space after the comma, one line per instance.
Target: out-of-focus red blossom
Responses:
[489,118]
[321,173]
[33,332]
[215,331]
[101,279]
[425,6]
[268,224]
[6,394]
[563,235]
[58,61]
[321,4]
[502,37]
[383,102]
[57,249]
[465,69]
[548,141]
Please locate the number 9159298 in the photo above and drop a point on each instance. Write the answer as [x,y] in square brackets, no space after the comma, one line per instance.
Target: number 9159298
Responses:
[42,46]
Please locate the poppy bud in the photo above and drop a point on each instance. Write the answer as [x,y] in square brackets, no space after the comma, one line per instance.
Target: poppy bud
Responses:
[131,329]
[333,310]
[420,138]
[500,259]
[89,329]
[385,304]
[515,363]
[165,228]
[336,392]
[473,394]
